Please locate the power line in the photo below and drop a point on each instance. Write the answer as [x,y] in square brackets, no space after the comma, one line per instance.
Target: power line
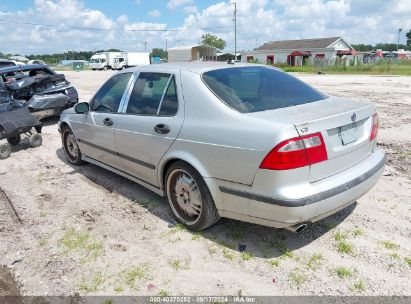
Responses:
[103,29]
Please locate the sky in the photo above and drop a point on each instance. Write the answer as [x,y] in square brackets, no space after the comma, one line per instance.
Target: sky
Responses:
[133,25]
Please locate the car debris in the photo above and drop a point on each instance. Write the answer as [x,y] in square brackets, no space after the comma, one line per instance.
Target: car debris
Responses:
[14,123]
[36,87]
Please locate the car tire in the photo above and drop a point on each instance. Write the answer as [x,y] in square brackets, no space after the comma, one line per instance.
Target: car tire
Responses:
[14,140]
[71,148]
[5,151]
[189,197]
[35,140]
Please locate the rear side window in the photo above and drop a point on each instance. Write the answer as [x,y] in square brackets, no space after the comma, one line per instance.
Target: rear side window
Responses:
[153,93]
[108,98]
[254,89]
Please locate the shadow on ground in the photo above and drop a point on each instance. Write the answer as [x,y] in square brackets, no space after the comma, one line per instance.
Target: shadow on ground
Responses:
[260,241]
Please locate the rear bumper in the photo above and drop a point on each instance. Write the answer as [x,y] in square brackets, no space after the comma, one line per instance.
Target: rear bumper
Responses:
[326,197]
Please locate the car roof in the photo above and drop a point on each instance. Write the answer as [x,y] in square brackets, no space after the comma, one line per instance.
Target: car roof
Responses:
[22,68]
[198,67]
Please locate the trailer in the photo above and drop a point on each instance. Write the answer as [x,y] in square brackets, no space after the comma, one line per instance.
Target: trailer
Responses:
[131,59]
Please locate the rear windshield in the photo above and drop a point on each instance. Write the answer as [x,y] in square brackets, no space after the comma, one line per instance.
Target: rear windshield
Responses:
[254,89]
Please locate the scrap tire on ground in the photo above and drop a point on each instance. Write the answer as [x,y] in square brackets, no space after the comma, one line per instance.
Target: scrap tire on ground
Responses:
[5,151]
[14,140]
[36,140]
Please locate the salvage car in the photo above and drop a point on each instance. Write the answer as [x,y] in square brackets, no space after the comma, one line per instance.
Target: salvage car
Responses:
[36,87]
[242,141]
[6,63]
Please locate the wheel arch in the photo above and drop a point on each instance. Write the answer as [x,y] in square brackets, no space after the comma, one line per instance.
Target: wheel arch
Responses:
[194,162]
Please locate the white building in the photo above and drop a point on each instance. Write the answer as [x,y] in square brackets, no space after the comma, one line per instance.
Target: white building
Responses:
[192,53]
[299,52]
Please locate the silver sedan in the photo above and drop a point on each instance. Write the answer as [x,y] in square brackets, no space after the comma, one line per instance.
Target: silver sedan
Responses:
[242,141]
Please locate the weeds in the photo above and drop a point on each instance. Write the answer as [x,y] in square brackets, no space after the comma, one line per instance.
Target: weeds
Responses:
[178,265]
[315,261]
[329,226]
[196,236]
[408,261]
[342,245]
[42,242]
[343,272]
[79,241]
[119,289]
[274,262]
[395,256]
[390,245]
[358,286]
[237,233]
[163,293]
[94,284]
[135,273]
[228,255]
[357,232]
[246,256]
[297,276]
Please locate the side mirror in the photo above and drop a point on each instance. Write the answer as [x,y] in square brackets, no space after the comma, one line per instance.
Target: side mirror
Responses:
[81,107]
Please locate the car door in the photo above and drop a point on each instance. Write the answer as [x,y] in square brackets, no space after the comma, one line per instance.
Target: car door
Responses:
[152,119]
[96,133]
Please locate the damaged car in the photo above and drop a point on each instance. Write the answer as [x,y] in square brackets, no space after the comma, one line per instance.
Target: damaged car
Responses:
[44,92]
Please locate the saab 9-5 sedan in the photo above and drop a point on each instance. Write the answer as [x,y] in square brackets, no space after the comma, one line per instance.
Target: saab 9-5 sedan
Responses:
[241,141]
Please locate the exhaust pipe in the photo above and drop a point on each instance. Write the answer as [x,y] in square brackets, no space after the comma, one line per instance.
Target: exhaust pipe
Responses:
[297,228]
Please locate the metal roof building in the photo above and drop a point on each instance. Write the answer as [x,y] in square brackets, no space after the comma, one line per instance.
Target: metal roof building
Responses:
[192,53]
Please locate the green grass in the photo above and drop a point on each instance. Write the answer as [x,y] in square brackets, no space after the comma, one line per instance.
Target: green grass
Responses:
[343,272]
[163,293]
[357,232]
[344,247]
[408,261]
[82,242]
[274,262]
[136,273]
[196,236]
[315,261]
[228,254]
[43,214]
[395,256]
[390,245]
[246,256]
[329,226]
[340,236]
[383,67]
[177,264]
[297,277]
[358,286]
[119,289]
[94,284]
[287,254]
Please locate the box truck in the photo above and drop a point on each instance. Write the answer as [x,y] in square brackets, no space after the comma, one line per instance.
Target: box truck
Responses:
[103,61]
[130,59]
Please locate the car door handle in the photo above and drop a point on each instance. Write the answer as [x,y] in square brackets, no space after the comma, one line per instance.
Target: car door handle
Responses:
[162,129]
[108,122]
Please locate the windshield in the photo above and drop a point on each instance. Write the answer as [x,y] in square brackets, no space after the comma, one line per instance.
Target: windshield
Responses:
[257,88]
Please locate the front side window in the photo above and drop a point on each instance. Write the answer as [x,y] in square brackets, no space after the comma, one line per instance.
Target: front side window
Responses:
[108,98]
[254,89]
[150,90]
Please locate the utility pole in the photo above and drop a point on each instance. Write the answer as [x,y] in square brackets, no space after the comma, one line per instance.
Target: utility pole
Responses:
[399,35]
[235,30]
[145,46]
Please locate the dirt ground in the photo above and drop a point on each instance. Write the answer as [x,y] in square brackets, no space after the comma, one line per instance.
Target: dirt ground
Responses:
[66,229]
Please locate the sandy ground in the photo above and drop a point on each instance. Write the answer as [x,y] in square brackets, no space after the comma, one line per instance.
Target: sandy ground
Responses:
[86,230]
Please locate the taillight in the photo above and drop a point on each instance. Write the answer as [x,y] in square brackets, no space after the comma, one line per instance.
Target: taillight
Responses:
[296,153]
[374,128]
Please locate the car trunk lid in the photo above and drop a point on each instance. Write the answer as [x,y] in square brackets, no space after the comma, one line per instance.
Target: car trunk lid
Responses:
[345,126]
